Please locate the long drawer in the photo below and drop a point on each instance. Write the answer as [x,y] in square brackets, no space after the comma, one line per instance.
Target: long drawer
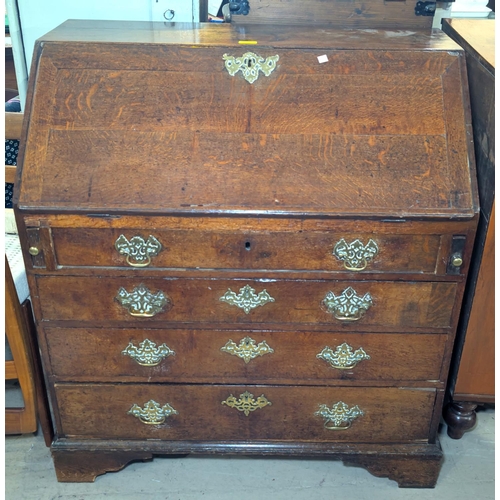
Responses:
[247,249]
[200,356]
[240,413]
[141,301]
[244,243]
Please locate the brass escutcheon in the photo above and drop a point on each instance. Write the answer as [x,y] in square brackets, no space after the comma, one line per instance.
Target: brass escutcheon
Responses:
[247,299]
[250,64]
[247,350]
[246,403]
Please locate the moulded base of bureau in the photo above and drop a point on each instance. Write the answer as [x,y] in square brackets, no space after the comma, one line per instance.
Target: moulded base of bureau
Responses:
[410,465]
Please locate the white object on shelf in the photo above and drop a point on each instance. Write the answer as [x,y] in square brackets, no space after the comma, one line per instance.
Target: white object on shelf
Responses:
[16,264]
[214,6]
[10,221]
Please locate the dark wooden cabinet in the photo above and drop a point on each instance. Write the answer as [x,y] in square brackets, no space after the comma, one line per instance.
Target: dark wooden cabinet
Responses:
[472,379]
[238,249]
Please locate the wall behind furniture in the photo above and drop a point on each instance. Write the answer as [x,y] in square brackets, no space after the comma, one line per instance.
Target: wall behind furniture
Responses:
[37,17]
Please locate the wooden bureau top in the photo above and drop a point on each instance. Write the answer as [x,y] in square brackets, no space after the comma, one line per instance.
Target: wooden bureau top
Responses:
[145,117]
[230,35]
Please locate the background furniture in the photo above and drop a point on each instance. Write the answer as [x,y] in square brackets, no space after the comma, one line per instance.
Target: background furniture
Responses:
[472,378]
[247,253]
[24,363]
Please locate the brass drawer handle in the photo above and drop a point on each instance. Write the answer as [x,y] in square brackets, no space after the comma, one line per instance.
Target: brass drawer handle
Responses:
[148,354]
[141,302]
[348,306]
[138,251]
[339,417]
[250,64]
[152,413]
[246,403]
[355,255]
[247,350]
[342,358]
[247,299]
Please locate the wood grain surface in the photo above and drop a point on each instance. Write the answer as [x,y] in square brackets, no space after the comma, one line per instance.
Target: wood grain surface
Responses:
[343,131]
[476,36]
[406,306]
[225,248]
[391,414]
[96,355]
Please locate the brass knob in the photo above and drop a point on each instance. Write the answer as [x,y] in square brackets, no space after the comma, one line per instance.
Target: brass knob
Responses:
[457,261]
[33,251]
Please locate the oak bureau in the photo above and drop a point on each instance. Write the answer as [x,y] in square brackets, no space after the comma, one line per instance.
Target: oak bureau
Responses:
[241,248]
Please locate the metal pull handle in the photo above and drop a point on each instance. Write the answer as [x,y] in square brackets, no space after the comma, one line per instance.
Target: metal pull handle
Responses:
[250,65]
[348,306]
[137,250]
[148,354]
[343,358]
[247,350]
[246,403]
[152,413]
[247,299]
[141,302]
[355,255]
[339,417]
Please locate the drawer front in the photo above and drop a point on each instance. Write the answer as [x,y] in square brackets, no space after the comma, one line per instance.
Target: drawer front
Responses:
[252,248]
[352,305]
[199,356]
[241,413]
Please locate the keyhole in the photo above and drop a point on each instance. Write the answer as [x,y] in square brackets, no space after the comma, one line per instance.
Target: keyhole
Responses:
[247,245]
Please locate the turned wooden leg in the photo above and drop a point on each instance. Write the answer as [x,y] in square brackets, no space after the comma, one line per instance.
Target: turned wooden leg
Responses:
[77,466]
[460,417]
[407,471]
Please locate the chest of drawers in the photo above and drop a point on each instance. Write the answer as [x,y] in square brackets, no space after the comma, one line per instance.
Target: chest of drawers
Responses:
[246,251]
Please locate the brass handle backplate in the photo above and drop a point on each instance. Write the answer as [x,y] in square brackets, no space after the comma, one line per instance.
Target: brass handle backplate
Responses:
[250,64]
[246,403]
[137,250]
[348,306]
[148,354]
[339,417]
[141,302]
[343,358]
[152,413]
[355,255]
[247,349]
[247,299]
